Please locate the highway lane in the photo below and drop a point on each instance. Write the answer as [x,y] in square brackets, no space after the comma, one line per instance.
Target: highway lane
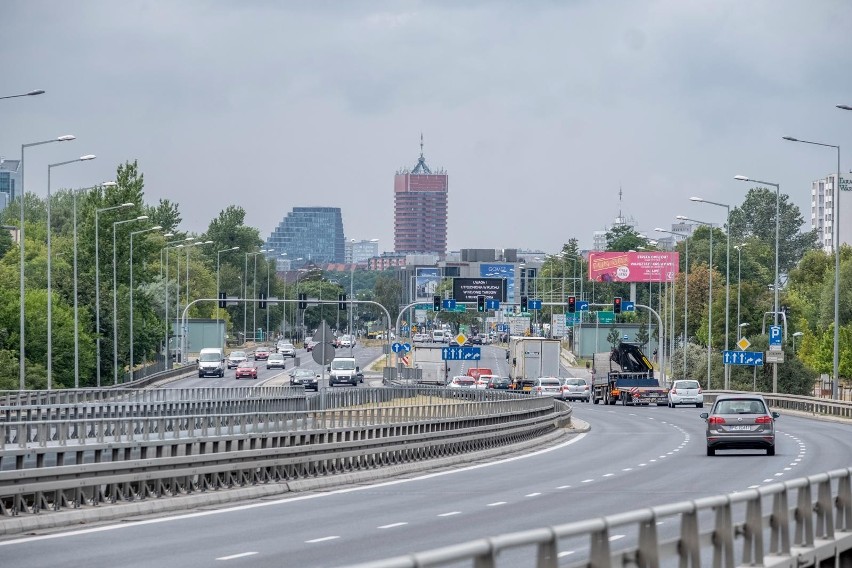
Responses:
[632,458]
[363,357]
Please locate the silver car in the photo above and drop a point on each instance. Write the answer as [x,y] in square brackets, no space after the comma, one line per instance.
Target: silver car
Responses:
[235,358]
[686,391]
[547,386]
[740,421]
[575,389]
[286,349]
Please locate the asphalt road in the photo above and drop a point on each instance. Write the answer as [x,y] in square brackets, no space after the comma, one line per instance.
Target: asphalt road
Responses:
[363,357]
[632,458]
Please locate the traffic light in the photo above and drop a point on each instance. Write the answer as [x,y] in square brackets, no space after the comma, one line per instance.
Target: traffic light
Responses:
[341,302]
[572,304]
[223,300]
[616,305]
[523,303]
[303,301]
[480,303]
[436,303]
[262,302]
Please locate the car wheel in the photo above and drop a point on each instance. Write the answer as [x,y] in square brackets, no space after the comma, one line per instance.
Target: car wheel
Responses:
[770,451]
[711,451]
[200,376]
[699,405]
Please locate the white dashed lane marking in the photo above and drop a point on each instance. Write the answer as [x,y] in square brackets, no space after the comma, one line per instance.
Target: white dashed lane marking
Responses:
[450,514]
[392,525]
[322,539]
[498,503]
[533,495]
[233,556]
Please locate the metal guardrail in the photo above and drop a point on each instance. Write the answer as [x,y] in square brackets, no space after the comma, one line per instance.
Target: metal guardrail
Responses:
[80,404]
[807,523]
[126,459]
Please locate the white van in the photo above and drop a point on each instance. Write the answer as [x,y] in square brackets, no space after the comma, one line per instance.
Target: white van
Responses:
[211,361]
[440,336]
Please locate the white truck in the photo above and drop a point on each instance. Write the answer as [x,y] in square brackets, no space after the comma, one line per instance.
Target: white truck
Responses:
[433,369]
[534,357]
[344,371]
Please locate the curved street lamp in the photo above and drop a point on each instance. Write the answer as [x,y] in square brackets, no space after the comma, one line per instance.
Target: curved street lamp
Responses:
[21,239]
[115,300]
[148,230]
[29,94]
[727,275]
[776,285]
[710,301]
[85,158]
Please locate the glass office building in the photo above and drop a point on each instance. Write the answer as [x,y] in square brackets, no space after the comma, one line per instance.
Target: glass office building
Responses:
[10,180]
[312,234]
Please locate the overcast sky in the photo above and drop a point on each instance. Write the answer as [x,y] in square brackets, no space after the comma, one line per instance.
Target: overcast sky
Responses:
[539,111]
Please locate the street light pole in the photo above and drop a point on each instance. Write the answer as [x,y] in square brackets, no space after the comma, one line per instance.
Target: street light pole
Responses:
[835,222]
[148,230]
[685,292]
[739,280]
[727,277]
[777,244]
[218,288]
[76,307]
[85,158]
[710,301]
[115,300]
[21,241]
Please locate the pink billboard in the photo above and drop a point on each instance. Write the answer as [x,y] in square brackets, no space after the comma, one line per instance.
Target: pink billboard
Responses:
[633,266]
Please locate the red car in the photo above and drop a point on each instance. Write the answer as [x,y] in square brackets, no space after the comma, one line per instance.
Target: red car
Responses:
[261,354]
[246,369]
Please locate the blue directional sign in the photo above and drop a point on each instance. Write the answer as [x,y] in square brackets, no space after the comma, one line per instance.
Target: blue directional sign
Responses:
[448,304]
[774,335]
[406,347]
[492,304]
[582,306]
[747,358]
[397,347]
[502,327]
[628,306]
[461,353]
[404,329]
[534,305]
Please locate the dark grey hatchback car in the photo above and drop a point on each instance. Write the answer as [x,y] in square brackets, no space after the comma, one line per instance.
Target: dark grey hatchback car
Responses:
[740,421]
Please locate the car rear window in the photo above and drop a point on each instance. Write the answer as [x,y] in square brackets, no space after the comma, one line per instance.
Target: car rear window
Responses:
[550,382]
[740,406]
[686,384]
[575,382]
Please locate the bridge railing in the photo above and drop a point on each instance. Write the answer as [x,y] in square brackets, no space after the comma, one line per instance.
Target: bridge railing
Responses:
[803,522]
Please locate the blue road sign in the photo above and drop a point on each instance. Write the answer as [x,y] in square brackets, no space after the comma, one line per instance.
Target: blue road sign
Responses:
[628,307]
[582,306]
[396,347]
[449,304]
[502,327]
[461,353]
[492,304]
[406,347]
[774,335]
[747,358]
[534,305]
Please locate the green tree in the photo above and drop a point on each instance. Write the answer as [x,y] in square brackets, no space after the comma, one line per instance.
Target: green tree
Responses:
[755,219]
[388,292]
[623,238]
[613,338]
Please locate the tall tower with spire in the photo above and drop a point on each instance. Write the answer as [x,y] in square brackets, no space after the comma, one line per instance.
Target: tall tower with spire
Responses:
[420,209]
